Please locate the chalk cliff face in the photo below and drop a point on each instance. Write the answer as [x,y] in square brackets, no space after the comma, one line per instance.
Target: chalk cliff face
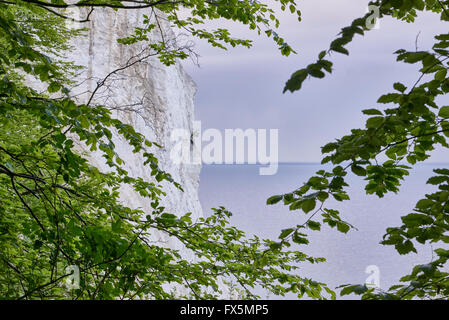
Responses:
[153,98]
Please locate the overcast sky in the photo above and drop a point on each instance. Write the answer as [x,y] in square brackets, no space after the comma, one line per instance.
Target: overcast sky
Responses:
[242,88]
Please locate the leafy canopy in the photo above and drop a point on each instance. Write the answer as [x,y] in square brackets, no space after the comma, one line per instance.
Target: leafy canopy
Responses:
[59,211]
[405,127]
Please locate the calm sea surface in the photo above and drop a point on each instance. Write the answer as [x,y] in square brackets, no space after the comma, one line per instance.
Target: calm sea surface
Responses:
[243,191]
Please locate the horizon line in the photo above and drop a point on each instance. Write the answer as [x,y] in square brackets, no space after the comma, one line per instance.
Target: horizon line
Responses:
[299,163]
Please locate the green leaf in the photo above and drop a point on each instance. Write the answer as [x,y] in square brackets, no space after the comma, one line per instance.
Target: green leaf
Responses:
[400,87]
[405,247]
[299,239]
[444,112]
[372,112]
[415,220]
[317,73]
[308,205]
[374,122]
[340,49]
[441,75]
[313,225]
[296,80]
[424,204]
[274,199]
[286,232]
[342,227]
[389,98]
[360,289]
[54,87]
[276,246]
[322,55]
[352,289]
[358,170]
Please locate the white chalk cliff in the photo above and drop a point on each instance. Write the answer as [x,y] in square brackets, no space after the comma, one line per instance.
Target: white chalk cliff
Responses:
[153,98]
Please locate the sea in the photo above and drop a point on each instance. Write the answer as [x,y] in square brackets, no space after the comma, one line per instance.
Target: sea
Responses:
[350,258]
